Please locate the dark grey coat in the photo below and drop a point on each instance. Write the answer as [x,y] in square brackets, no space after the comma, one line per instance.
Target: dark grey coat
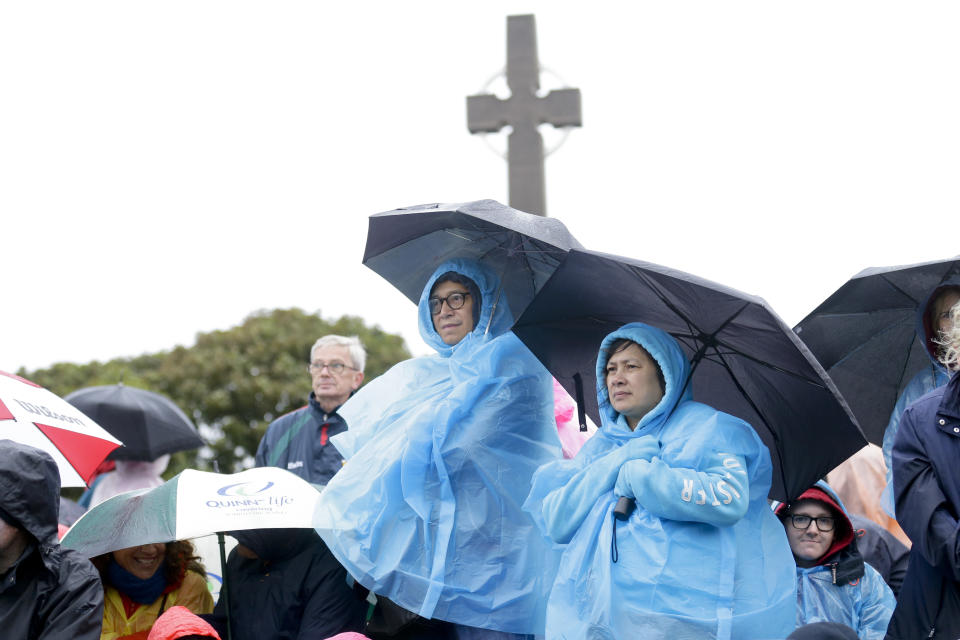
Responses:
[51,593]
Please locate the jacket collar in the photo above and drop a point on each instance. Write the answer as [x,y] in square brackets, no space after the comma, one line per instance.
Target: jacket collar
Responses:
[948,413]
[9,579]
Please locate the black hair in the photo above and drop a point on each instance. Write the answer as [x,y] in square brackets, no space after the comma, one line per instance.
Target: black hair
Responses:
[472,289]
[620,344]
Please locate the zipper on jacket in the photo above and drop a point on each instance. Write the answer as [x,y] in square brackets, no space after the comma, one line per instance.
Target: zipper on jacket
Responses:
[833,572]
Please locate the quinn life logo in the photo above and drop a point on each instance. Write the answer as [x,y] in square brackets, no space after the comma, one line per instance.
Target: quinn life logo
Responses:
[248,494]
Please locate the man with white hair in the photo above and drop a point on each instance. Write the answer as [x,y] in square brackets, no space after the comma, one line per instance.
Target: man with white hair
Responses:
[300,440]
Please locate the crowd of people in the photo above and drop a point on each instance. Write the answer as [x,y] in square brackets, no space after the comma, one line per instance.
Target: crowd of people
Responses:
[452,508]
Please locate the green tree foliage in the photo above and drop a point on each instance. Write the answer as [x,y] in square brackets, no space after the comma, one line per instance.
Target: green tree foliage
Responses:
[232,383]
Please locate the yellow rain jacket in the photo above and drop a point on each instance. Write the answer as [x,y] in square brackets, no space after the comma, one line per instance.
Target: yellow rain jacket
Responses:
[192,594]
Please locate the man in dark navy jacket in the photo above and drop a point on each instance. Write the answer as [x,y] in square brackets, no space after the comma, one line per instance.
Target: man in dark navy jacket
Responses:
[300,440]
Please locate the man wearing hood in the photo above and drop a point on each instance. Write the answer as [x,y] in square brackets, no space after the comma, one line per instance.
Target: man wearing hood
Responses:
[834,584]
[440,454]
[933,318]
[46,592]
[284,584]
[701,556]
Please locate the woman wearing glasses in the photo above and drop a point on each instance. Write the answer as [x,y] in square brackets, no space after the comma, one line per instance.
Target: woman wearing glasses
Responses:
[834,584]
[700,556]
[440,454]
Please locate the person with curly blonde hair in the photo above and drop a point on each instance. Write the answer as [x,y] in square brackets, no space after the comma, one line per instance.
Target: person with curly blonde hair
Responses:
[950,341]
[927,491]
[142,582]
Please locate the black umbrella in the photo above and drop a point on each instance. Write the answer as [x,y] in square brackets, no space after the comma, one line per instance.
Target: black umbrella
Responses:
[864,335]
[148,424]
[405,246]
[746,361]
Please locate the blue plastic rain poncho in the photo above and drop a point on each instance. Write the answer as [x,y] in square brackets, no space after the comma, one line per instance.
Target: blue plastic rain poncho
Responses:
[701,556]
[843,588]
[926,380]
[440,455]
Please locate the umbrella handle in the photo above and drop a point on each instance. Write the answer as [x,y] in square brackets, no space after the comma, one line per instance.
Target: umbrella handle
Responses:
[624,508]
[224,592]
[493,309]
[581,412]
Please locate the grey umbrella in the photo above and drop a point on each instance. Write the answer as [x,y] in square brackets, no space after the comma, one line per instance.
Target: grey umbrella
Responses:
[745,360]
[865,336]
[405,246]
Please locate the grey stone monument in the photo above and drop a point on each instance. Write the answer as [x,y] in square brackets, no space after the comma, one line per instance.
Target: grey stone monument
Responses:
[525,111]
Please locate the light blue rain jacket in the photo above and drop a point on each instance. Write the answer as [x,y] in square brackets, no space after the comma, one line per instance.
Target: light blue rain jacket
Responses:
[925,381]
[440,454]
[702,556]
[864,604]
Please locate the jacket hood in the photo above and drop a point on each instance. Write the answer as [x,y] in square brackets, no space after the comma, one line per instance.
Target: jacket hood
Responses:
[273,545]
[30,491]
[178,622]
[924,326]
[666,351]
[494,310]
[824,494]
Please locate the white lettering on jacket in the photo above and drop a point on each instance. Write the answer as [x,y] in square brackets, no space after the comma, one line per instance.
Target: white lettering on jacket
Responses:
[725,490]
[294,465]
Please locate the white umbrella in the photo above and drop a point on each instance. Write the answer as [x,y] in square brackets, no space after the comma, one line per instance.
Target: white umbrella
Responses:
[196,503]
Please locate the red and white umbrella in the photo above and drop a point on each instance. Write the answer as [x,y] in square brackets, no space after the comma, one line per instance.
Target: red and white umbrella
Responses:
[31,415]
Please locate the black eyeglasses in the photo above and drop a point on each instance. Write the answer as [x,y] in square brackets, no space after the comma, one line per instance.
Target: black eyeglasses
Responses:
[455,301]
[336,368]
[824,523]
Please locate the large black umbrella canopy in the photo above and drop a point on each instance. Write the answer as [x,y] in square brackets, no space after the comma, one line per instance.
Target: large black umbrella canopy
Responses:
[148,424]
[406,246]
[745,360]
[865,336]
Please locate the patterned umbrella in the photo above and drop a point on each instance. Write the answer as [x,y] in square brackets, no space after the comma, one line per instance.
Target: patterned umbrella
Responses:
[31,415]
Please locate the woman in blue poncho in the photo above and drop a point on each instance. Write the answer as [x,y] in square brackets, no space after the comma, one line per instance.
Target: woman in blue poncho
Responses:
[701,555]
[440,454]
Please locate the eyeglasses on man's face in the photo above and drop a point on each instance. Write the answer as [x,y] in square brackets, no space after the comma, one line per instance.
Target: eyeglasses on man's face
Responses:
[455,301]
[336,368]
[800,521]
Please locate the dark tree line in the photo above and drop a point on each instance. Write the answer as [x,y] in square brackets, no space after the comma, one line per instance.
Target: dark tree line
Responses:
[232,383]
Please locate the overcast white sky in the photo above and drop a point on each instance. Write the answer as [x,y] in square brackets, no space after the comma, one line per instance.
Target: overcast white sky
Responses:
[166,168]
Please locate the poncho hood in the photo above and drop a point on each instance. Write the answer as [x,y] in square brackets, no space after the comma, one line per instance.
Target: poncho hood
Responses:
[179,622]
[665,350]
[494,311]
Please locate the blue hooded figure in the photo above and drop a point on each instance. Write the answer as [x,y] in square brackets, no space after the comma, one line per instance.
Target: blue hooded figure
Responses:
[440,451]
[701,555]
[834,583]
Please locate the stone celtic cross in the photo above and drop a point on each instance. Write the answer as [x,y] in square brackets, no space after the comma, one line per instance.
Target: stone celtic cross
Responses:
[524,111]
